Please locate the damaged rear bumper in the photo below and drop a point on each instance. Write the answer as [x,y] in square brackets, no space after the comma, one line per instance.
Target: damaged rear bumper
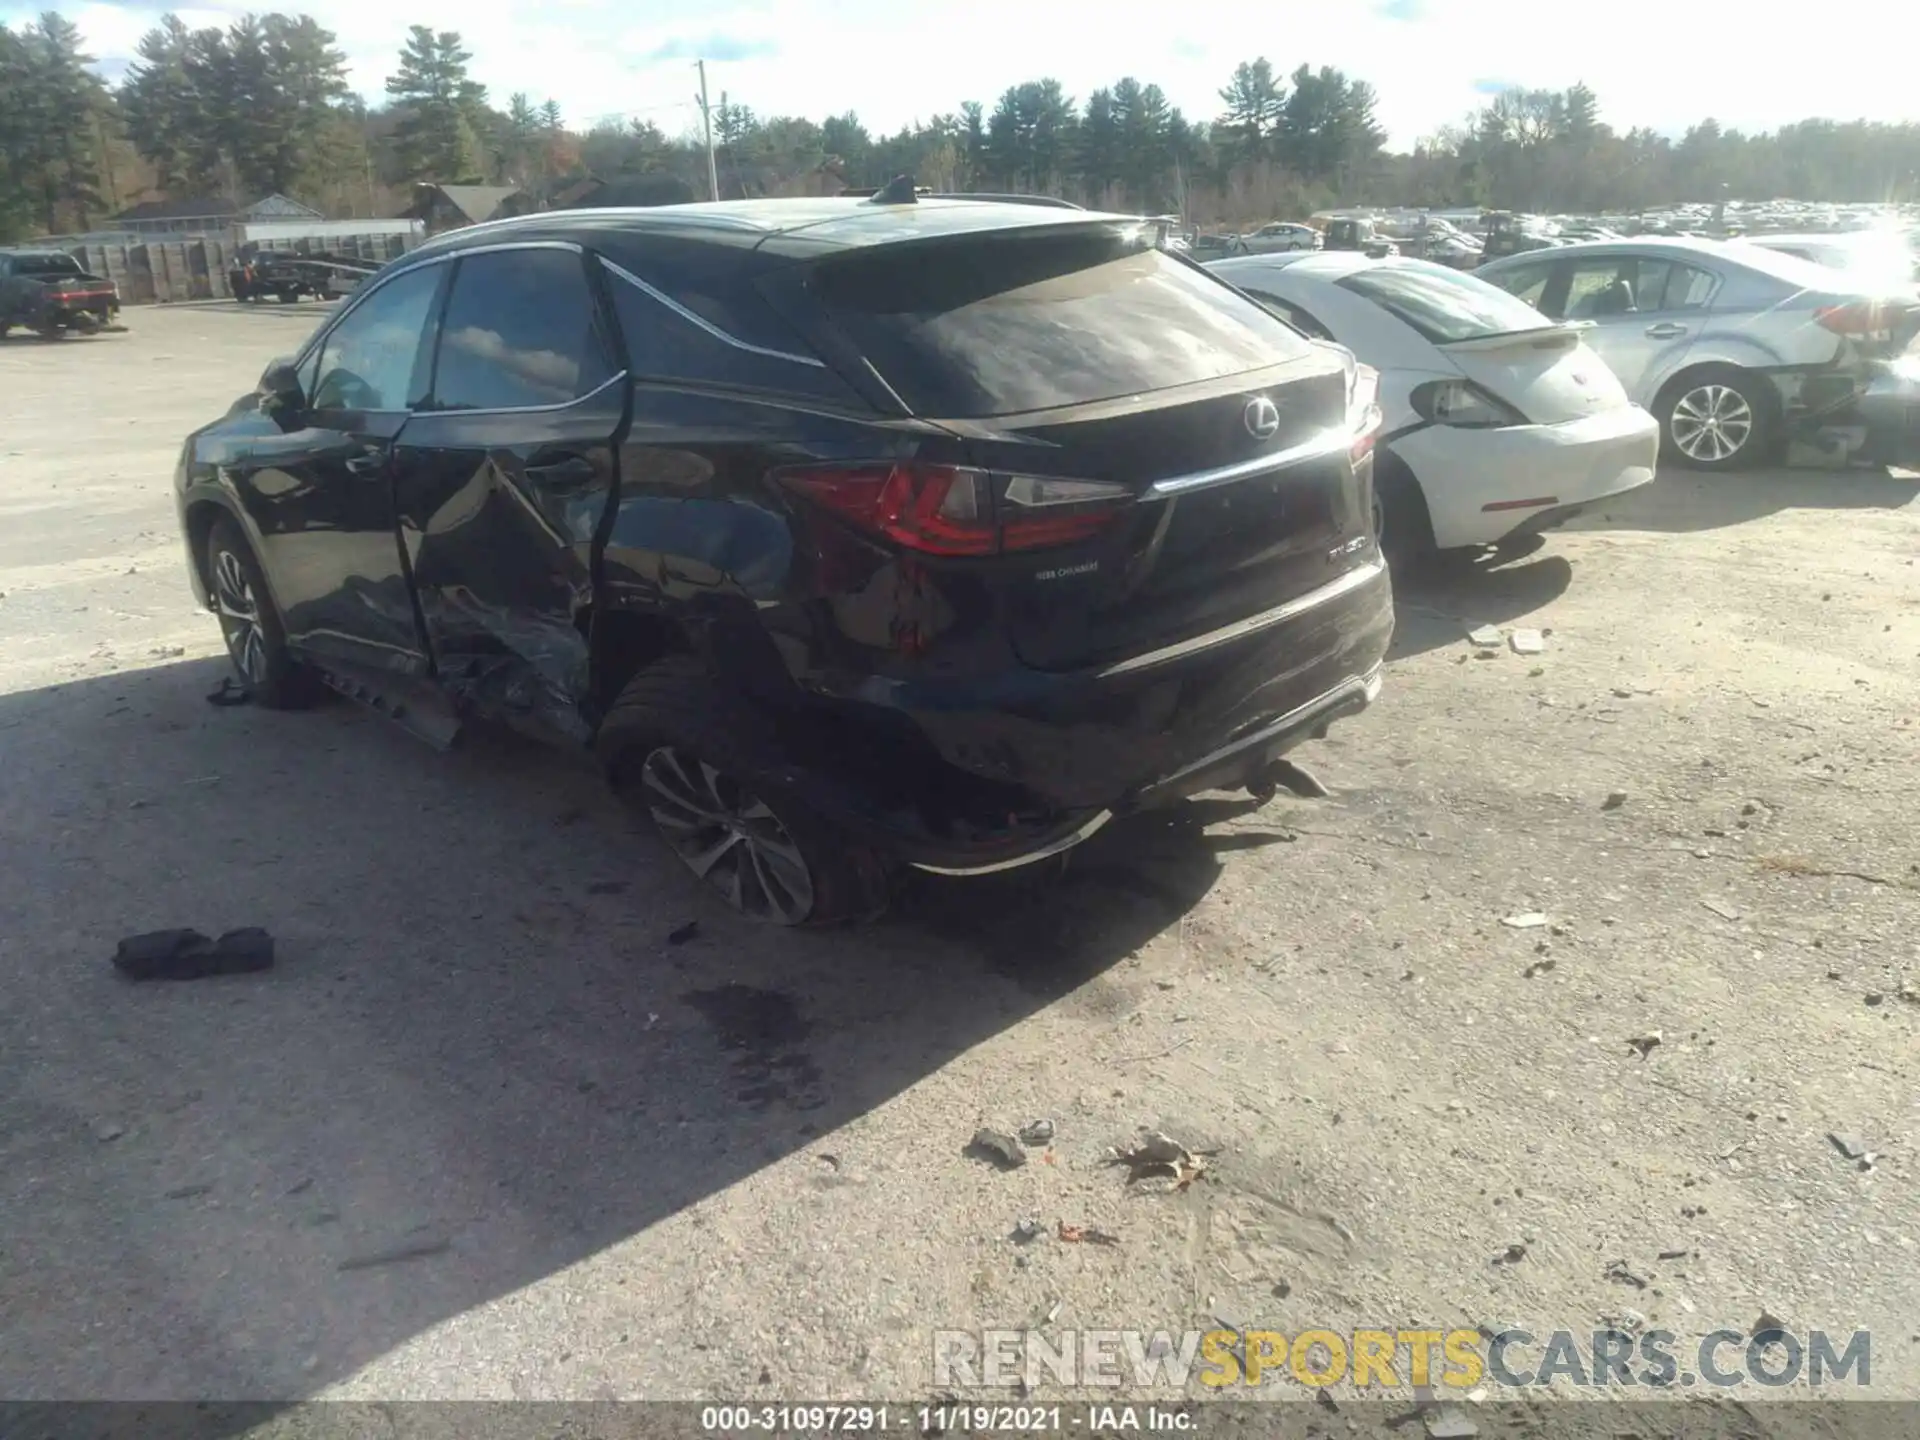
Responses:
[1211,712]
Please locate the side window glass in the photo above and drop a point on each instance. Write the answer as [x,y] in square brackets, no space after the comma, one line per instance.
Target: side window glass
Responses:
[1689,289]
[760,351]
[518,332]
[1597,289]
[1650,284]
[1528,283]
[370,360]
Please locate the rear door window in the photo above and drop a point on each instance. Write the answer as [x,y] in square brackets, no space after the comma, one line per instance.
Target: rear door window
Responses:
[1298,316]
[1005,324]
[1525,282]
[519,333]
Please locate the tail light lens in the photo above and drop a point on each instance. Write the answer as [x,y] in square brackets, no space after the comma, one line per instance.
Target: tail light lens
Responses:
[1463,405]
[954,510]
[1858,320]
[1364,416]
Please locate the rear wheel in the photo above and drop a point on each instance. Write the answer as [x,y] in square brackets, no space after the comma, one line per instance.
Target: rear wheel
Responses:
[256,640]
[682,749]
[1720,419]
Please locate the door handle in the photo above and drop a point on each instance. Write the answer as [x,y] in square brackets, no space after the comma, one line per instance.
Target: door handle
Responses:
[371,463]
[1665,330]
[563,470]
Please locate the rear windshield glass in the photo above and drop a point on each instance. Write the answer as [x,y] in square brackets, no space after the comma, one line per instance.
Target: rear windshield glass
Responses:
[1443,305]
[1004,324]
[46,265]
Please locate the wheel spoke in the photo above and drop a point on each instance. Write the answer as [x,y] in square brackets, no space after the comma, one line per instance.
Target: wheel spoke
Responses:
[704,860]
[729,837]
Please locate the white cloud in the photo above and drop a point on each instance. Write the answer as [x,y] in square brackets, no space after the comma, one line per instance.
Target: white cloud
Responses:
[1652,62]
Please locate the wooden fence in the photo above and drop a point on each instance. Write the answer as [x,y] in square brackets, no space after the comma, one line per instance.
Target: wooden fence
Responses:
[165,273]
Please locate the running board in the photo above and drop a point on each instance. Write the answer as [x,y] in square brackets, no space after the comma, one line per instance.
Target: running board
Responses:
[416,706]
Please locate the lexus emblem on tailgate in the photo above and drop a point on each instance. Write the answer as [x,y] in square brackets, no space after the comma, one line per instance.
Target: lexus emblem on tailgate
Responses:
[1262,417]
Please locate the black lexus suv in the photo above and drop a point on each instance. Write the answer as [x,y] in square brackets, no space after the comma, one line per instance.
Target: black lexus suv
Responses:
[853,534]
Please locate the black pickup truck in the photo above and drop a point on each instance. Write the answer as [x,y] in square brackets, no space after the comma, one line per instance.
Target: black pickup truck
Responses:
[48,292]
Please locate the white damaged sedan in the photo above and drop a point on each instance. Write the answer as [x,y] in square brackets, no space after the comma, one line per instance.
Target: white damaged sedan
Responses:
[1500,423]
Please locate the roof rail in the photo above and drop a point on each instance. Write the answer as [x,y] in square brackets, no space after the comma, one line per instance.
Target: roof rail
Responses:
[1047,200]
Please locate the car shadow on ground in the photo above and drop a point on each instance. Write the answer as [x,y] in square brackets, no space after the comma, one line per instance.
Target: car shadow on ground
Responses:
[1437,603]
[1686,501]
[491,1045]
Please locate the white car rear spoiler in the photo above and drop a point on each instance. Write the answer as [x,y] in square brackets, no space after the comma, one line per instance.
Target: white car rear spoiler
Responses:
[1563,336]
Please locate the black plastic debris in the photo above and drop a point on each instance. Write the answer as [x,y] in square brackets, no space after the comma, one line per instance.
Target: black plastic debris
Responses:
[189,955]
[231,692]
[683,933]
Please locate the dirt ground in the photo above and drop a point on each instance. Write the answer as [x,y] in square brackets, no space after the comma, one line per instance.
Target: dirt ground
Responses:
[485,1132]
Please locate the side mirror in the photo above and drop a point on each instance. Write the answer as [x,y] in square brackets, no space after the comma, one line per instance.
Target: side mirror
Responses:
[280,386]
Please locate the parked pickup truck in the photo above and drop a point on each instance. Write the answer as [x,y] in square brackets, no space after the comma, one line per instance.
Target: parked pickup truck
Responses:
[47,292]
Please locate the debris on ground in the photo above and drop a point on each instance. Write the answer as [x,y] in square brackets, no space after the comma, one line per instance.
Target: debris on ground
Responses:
[1722,909]
[1157,1154]
[1672,1255]
[189,955]
[1085,1234]
[1538,967]
[1512,1255]
[1769,1328]
[1000,1149]
[107,1130]
[1527,920]
[1621,1274]
[1450,1423]
[1485,636]
[400,1254]
[231,692]
[1036,1132]
[1527,642]
[1026,1232]
[1849,1147]
[680,934]
[1643,1044]
[1615,799]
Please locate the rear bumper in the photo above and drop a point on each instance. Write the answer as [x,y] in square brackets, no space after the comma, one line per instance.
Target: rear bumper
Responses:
[1890,411]
[1209,712]
[1484,486]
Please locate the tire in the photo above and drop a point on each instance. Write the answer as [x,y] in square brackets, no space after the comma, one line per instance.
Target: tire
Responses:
[674,746]
[1721,418]
[256,639]
[1402,526]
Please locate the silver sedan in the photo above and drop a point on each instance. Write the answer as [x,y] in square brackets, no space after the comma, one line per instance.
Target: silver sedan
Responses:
[1734,349]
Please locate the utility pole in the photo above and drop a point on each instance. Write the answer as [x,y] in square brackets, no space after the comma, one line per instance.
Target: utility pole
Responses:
[706,126]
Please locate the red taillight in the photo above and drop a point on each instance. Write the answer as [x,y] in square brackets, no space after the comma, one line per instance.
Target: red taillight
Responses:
[1364,416]
[1859,318]
[951,510]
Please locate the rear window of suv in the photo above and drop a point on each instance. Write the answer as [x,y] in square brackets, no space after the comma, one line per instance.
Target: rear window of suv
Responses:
[1443,305]
[46,265]
[1003,324]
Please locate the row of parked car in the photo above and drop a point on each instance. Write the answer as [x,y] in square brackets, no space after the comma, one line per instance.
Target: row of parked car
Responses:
[916,532]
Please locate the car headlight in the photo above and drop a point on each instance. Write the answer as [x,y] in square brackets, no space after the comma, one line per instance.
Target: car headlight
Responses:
[1463,405]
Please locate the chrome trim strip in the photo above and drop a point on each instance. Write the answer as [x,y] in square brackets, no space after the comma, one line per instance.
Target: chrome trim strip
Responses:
[450,413]
[1327,443]
[662,298]
[1045,852]
[1367,685]
[1352,580]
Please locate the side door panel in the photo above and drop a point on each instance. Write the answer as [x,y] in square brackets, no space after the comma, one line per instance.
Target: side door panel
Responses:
[318,492]
[502,483]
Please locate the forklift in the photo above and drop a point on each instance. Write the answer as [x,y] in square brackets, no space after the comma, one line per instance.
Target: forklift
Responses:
[1503,236]
[1357,233]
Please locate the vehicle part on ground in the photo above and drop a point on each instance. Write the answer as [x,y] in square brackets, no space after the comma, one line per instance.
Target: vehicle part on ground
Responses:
[1719,419]
[249,623]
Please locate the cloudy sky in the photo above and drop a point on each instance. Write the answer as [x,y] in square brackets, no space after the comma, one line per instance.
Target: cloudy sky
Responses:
[1661,63]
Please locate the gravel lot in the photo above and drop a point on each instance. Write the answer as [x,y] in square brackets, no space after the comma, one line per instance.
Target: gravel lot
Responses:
[733,1167]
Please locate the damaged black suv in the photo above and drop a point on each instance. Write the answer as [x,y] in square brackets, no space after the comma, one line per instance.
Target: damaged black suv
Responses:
[852,534]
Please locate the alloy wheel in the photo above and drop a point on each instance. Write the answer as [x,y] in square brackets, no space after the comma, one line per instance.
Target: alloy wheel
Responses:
[1712,423]
[240,617]
[727,836]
